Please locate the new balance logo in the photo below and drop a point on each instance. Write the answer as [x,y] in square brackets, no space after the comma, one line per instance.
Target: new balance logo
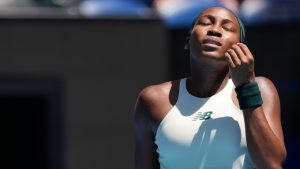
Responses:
[202,115]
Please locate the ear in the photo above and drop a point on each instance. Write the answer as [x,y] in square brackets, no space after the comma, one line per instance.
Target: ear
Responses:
[187,43]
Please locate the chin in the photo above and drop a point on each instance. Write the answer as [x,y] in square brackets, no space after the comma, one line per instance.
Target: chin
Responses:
[213,55]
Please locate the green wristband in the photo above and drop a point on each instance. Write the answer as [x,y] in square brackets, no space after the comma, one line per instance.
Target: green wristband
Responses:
[249,95]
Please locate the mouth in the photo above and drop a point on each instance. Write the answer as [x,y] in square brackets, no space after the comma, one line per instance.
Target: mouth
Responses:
[211,42]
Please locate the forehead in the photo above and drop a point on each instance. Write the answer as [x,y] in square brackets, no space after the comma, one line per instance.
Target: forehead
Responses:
[220,13]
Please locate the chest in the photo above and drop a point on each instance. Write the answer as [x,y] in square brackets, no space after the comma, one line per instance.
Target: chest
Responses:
[202,136]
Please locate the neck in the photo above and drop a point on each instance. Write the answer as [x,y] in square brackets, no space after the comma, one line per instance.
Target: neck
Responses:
[207,79]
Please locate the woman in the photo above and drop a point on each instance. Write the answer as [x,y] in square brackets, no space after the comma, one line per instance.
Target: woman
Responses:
[221,116]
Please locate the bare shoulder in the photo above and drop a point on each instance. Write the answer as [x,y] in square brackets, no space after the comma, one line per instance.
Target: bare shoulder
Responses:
[269,93]
[266,85]
[154,93]
[157,100]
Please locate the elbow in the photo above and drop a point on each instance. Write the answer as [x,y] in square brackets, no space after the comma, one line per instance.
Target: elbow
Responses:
[271,165]
[275,165]
[284,155]
[273,162]
[281,157]
[279,161]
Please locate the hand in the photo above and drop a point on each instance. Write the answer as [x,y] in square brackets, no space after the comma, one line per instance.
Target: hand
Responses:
[241,64]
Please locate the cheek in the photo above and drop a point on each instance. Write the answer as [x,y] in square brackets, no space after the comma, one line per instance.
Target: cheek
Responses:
[195,39]
[199,33]
[230,40]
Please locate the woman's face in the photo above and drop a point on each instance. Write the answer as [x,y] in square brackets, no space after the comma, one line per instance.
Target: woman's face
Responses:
[215,31]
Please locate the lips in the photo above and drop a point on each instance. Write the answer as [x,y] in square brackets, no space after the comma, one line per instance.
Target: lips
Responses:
[212,41]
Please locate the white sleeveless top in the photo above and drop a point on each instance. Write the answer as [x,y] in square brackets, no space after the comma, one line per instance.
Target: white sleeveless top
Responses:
[189,137]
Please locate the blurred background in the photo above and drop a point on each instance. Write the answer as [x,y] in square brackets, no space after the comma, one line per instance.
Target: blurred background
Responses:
[71,70]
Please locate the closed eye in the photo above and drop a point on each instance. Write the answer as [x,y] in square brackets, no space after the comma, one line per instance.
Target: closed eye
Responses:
[205,20]
[204,23]
[228,25]
[228,29]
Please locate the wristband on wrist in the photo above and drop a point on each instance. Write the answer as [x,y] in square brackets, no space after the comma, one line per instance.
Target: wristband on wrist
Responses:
[249,95]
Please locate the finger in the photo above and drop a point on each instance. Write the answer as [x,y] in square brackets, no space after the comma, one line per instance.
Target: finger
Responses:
[234,57]
[230,62]
[243,58]
[246,50]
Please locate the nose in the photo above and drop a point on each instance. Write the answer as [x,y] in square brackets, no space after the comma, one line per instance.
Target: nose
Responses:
[214,32]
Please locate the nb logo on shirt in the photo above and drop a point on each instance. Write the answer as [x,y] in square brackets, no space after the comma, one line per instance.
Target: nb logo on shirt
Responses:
[202,115]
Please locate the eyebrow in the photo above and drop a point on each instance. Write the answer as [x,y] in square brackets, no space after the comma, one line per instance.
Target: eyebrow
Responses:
[224,20]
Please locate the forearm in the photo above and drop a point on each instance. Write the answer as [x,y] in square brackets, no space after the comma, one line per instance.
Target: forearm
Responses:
[266,149]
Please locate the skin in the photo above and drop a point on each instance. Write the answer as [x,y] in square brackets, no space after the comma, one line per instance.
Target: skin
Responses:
[211,67]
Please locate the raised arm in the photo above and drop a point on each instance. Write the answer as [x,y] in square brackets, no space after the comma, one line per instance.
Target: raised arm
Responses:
[263,126]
